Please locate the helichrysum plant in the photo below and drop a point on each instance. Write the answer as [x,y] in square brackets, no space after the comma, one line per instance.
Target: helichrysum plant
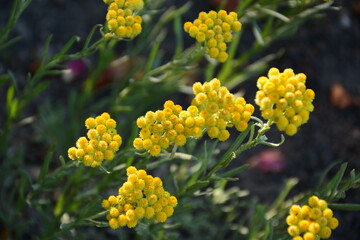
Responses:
[141,196]
[101,143]
[121,18]
[141,200]
[214,29]
[284,99]
[311,221]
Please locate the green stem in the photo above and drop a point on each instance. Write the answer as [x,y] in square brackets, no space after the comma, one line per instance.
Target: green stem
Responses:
[181,61]
[238,147]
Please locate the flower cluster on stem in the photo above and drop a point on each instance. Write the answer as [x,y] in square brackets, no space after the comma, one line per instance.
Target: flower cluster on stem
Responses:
[121,18]
[284,99]
[141,196]
[221,109]
[213,110]
[101,143]
[312,221]
[215,30]
[171,125]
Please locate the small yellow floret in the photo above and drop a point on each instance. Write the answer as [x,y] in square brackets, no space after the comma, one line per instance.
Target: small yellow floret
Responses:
[293,231]
[161,216]
[113,223]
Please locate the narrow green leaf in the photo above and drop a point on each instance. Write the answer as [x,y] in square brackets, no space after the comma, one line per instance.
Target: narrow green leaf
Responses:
[89,37]
[269,230]
[45,52]
[215,178]
[45,167]
[16,10]
[10,96]
[98,223]
[275,14]
[13,109]
[345,206]
[59,206]
[257,33]
[289,184]
[13,80]
[234,171]
[324,173]
[196,186]
[62,161]
[89,207]
[9,43]
[65,49]
[312,11]
[210,70]
[152,56]
[353,176]
[230,153]
[236,144]
[35,91]
[335,181]
[243,5]
[178,30]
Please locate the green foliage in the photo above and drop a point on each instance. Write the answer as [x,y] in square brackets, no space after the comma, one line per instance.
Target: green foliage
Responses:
[58,198]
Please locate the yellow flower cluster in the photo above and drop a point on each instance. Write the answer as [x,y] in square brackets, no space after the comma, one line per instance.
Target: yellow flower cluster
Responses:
[141,196]
[213,109]
[215,29]
[101,143]
[171,125]
[121,19]
[284,99]
[221,109]
[314,221]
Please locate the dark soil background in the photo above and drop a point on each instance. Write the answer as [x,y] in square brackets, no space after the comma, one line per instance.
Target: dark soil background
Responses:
[326,49]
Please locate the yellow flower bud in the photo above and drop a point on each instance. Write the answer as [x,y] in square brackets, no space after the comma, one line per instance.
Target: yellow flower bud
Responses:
[161,216]
[325,232]
[90,123]
[155,150]
[333,223]
[149,212]
[292,220]
[113,223]
[309,236]
[122,220]
[293,231]
[303,225]
[314,227]
[313,201]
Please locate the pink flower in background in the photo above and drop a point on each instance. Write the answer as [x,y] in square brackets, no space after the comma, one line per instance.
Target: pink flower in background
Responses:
[270,160]
[75,69]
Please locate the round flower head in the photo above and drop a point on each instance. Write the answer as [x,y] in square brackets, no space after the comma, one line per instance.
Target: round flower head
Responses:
[221,109]
[171,125]
[101,143]
[312,221]
[122,21]
[284,99]
[139,199]
[214,30]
